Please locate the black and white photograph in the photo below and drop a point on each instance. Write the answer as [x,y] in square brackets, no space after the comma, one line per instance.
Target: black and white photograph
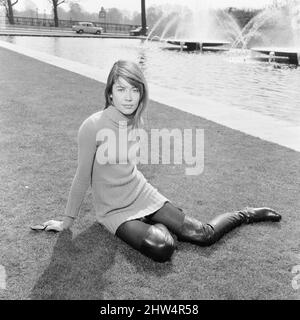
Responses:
[150,152]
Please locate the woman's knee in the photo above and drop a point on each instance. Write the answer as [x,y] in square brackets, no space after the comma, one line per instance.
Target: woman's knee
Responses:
[158,243]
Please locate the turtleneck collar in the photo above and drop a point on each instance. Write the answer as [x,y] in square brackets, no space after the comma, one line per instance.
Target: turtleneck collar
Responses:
[116,116]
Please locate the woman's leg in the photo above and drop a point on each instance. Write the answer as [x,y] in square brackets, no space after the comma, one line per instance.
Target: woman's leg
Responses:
[204,234]
[154,241]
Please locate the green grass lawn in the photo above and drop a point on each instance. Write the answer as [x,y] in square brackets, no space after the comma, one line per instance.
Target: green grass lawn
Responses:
[41,109]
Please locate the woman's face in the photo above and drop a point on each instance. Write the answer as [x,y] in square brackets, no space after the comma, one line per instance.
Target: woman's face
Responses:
[125,97]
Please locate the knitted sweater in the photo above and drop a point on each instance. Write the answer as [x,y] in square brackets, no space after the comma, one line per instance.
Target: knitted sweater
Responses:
[120,191]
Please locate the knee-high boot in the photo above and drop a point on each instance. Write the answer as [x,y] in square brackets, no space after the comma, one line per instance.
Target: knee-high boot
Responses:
[205,234]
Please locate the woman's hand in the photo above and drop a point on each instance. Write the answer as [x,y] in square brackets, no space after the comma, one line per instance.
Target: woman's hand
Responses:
[50,225]
[55,225]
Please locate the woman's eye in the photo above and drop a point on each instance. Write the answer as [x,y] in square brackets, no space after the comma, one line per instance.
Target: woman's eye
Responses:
[136,90]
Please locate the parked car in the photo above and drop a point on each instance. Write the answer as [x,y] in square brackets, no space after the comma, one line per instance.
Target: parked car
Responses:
[137,31]
[87,27]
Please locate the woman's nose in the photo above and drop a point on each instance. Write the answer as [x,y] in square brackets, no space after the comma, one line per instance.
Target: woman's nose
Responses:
[128,95]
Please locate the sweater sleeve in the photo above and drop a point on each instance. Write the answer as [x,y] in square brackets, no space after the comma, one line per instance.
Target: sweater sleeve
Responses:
[86,149]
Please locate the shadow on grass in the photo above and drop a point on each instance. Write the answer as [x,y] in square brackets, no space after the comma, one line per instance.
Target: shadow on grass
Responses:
[77,267]
[145,265]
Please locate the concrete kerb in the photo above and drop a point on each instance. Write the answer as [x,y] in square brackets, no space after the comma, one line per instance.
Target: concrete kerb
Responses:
[249,122]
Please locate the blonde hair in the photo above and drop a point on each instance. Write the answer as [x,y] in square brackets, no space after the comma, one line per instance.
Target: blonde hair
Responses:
[132,73]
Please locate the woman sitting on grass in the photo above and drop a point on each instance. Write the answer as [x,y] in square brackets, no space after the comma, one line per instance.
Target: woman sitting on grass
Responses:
[125,203]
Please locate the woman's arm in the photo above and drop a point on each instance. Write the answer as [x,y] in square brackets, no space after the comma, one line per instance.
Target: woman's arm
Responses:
[86,151]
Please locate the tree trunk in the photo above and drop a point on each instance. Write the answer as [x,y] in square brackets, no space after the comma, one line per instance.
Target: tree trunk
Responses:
[10,12]
[143,17]
[55,15]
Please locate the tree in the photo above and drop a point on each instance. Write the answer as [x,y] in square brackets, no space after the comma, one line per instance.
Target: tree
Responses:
[114,15]
[75,11]
[9,9]
[55,4]
[136,18]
